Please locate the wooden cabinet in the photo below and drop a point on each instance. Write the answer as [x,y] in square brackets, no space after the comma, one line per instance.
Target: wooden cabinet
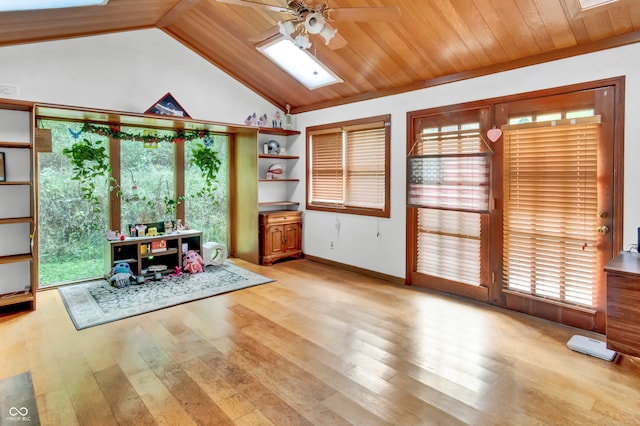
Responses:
[18,264]
[280,235]
[623,303]
[137,251]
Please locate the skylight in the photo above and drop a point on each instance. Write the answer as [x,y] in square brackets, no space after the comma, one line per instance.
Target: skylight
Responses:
[588,4]
[18,5]
[299,63]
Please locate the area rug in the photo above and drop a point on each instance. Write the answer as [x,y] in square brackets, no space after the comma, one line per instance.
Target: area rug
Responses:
[97,302]
[18,401]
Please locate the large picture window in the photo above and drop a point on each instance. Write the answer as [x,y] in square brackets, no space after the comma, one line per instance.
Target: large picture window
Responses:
[348,166]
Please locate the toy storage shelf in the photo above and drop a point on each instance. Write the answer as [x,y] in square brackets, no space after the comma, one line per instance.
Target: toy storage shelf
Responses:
[131,251]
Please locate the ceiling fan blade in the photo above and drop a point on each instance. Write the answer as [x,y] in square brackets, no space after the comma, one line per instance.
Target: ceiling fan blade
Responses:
[264,35]
[361,14]
[257,5]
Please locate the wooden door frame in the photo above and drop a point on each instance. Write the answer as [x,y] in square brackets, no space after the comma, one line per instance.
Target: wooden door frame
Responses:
[582,318]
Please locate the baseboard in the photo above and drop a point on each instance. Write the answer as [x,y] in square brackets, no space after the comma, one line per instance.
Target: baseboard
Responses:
[367,272]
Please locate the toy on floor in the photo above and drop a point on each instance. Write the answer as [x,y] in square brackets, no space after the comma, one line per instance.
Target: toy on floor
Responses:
[121,275]
[192,262]
[177,272]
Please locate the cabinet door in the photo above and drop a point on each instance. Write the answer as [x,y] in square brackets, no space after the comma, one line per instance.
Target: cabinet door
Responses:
[292,237]
[276,239]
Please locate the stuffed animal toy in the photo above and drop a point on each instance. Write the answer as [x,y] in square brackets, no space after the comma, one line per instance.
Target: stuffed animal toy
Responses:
[121,275]
[192,262]
[177,272]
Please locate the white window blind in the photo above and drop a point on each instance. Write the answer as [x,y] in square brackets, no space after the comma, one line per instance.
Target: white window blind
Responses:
[365,180]
[450,173]
[449,245]
[327,169]
[550,210]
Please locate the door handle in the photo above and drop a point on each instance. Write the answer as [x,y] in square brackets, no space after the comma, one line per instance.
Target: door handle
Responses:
[602,229]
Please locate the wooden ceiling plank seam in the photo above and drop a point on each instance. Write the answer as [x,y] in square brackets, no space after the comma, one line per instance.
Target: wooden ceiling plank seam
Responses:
[514,20]
[598,26]
[494,38]
[633,9]
[391,63]
[413,49]
[620,21]
[535,23]
[557,24]
[466,35]
[453,44]
[577,25]
[423,14]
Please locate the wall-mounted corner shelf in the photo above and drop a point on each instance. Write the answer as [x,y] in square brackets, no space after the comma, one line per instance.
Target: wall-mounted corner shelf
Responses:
[16,183]
[11,220]
[278,131]
[278,204]
[279,180]
[279,157]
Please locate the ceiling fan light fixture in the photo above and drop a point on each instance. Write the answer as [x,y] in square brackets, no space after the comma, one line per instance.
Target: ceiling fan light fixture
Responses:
[328,33]
[314,23]
[286,28]
[302,41]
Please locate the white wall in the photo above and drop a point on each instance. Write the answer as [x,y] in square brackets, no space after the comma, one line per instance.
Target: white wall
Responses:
[379,244]
[127,71]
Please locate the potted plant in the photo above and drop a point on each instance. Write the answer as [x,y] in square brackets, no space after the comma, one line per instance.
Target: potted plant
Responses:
[89,160]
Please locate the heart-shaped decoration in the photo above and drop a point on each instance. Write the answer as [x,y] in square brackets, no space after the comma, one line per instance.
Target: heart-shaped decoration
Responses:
[494,134]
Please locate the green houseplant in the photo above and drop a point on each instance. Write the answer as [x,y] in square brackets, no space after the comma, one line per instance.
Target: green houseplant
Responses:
[205,158]
[89,160]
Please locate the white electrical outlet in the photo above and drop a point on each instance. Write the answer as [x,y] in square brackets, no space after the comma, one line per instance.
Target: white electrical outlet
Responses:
[331,245]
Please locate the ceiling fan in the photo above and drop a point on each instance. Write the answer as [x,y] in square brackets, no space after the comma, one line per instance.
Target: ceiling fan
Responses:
[304,18]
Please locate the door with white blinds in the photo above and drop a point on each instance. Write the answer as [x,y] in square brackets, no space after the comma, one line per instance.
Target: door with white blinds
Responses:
[525,222]
[557,212]
[449,169]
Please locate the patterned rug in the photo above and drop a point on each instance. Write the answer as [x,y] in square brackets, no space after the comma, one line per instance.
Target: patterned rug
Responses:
[97,302]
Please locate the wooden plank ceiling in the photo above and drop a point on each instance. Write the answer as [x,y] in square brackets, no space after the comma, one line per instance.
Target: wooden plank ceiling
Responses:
[433,41]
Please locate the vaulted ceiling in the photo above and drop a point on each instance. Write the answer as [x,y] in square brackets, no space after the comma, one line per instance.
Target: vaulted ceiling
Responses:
[432,42]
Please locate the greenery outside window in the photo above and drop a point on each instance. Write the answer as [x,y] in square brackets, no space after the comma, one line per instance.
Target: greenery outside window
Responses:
[348,166]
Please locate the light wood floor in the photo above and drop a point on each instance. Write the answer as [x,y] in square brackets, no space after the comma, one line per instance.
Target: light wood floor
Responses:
[319,346]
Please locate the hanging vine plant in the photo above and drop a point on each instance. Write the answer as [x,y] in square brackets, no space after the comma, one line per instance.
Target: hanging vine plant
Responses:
[205,158]
[89,160]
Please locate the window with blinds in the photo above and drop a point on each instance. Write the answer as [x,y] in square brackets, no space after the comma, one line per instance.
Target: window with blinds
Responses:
[449,169]
[550,210]
[448,179]
[348,167]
